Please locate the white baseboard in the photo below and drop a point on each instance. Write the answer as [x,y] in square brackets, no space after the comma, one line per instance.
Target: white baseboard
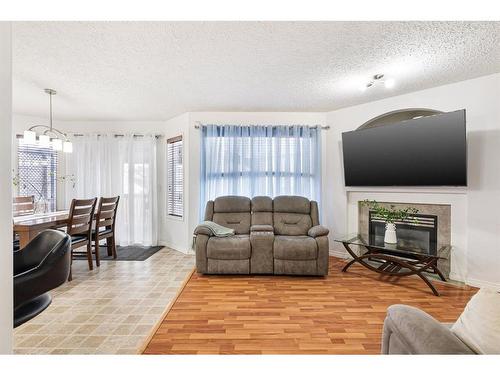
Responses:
[456,277]
[176,247]
[483,284]
[339,254]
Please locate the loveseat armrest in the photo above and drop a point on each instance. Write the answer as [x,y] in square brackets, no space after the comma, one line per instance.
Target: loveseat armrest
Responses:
[318,231]
[202,229]
[408,330]
[261,228]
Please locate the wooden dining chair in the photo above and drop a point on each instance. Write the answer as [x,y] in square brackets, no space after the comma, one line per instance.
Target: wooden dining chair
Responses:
[23,205]
[80,218]
[105,221]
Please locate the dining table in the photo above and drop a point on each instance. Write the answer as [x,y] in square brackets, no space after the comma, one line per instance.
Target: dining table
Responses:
[28,226]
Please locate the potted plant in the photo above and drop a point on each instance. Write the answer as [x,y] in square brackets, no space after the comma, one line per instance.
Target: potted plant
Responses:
[390,215]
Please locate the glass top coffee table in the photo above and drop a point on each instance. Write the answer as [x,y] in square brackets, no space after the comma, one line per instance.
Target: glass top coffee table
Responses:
[401,259]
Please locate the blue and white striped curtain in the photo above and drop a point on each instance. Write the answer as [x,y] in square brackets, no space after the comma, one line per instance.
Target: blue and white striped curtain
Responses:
[260,160]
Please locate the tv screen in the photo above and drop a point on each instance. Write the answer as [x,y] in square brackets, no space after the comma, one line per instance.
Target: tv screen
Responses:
[427,151]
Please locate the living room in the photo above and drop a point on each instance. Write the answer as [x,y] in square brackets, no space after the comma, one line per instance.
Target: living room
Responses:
[251,187]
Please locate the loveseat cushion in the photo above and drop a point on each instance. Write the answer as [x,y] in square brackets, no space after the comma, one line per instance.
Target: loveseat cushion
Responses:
[232,203]
[292,203]
[262,210]
[291,215]
[291,224]
[233,212]
[295,248]
[262,204]
[239,221]
[235,247]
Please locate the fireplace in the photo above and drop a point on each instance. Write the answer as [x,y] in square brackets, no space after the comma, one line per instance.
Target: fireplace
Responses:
[431,232]
[418,232]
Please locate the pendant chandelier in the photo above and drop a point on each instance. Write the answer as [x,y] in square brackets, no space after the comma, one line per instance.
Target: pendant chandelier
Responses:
[48,136]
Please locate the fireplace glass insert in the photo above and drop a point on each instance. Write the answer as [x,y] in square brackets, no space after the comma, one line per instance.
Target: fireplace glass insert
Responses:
[418,233]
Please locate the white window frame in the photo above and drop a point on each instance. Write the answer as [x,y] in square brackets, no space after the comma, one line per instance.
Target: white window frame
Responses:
[171,176]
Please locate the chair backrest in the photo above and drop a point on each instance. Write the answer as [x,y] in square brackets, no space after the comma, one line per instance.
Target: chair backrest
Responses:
[81,215]
[44,264]
[45,248]
[106,213]
[293,216]
[23,205]
[230,211]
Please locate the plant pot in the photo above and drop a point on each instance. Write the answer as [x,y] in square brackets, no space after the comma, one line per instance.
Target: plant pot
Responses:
[390,233]
[41,206]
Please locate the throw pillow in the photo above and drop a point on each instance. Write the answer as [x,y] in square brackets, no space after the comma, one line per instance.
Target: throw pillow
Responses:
[479,325]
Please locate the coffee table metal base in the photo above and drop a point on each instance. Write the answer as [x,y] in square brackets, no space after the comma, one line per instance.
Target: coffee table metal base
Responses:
[398,266]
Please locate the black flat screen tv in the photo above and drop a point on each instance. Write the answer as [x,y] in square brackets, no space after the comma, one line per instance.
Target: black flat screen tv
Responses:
[427,151]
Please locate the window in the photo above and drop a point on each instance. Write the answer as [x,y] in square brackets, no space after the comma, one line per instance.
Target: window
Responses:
[37,173]
[260,160]
[175,177]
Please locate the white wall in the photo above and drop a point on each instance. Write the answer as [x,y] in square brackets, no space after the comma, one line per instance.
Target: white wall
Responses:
[477,246]
[6,306]
[174,230]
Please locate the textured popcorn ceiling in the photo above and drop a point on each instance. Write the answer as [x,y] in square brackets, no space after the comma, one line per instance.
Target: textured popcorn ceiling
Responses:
[157,70]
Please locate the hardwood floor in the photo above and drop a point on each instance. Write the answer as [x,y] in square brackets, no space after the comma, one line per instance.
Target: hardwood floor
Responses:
[340,314]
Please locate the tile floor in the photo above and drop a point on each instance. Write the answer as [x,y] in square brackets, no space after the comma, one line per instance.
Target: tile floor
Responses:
[110,310]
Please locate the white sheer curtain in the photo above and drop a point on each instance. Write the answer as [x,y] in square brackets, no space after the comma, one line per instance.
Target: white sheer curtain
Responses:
[105,166]
[260,160]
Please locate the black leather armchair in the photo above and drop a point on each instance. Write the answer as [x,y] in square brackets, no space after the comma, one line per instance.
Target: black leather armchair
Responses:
[41,266]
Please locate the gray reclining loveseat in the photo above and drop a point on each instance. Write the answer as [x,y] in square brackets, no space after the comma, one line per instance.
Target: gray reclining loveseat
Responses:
[272,236]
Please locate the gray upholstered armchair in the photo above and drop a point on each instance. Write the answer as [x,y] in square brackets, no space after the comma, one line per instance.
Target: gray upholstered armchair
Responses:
[280,236]
[408,330]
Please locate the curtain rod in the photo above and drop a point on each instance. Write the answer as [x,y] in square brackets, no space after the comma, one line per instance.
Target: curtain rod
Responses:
[121,135]
[199,125]
[116,135]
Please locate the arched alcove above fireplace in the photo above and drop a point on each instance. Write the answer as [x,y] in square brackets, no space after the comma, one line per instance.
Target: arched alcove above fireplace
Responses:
[397,116]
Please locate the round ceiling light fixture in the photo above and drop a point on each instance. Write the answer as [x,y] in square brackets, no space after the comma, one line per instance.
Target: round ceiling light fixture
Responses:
[378,79]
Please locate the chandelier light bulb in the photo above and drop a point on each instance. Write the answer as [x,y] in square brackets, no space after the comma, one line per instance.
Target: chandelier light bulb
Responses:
[68,147]
[44,141]
[29,137]
[57,144]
